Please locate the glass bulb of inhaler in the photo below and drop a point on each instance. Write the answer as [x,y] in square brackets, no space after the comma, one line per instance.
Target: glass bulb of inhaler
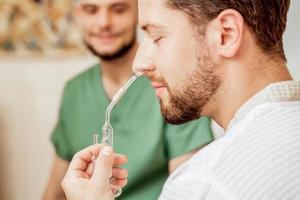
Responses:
[107,130]
[116,189]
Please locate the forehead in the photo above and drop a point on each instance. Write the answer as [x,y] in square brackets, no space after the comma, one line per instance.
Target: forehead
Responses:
[148,8]
[156,12]
[106,2]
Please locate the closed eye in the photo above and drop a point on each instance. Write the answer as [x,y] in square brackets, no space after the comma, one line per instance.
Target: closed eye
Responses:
[119,8]
[90,9]
[157,40]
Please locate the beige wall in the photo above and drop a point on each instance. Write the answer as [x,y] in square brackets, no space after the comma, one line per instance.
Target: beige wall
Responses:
[30,91]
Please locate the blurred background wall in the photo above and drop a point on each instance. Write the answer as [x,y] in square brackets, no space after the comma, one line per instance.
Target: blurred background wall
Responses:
[30,92]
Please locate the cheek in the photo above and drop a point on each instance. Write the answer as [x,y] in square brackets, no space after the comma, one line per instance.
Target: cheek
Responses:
[85,20]
[177,61]
[124,22]
[86,27]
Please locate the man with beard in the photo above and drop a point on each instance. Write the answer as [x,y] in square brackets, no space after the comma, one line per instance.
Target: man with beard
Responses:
[225,60]
[152,146]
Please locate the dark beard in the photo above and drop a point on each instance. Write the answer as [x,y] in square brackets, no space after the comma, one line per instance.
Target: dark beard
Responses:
[109,57]
[188,104]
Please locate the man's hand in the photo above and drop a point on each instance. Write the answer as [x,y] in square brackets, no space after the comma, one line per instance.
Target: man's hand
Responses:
[88,180]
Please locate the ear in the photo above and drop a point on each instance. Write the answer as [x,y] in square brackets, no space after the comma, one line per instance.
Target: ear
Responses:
[227,34]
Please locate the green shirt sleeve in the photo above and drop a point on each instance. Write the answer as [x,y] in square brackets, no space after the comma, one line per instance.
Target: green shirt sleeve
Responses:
[59,137]
[181,139]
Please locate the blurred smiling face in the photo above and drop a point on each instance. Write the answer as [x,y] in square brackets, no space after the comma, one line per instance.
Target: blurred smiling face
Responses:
[108,26]
[177,61]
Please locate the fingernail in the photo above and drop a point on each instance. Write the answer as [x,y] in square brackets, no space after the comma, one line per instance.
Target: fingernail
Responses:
[106,150]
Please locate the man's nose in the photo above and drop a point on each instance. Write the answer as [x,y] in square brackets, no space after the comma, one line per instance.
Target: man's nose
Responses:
[104,19]
[143,60]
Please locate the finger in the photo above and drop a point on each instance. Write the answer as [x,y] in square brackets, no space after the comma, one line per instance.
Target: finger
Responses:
[90,169]
[103,166]
[109,195]
[119,182]
[119,173]
[82,158]
[120,159]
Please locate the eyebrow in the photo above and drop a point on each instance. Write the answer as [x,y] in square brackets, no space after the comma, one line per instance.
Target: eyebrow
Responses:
[114,4]
[119,4]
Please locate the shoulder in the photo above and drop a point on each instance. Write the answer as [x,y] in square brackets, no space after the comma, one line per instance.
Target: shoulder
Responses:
[268,126]
[83,77]
[81,80]
[257,159]
[278,117]
[263,146]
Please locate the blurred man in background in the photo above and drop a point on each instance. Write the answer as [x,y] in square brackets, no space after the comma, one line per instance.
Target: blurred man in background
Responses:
[153,147]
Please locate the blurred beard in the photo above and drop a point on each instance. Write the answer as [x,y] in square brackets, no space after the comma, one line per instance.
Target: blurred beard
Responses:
[188,103]
[123,50]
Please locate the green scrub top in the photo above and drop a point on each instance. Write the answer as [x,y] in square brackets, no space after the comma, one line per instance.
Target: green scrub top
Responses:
[139,131]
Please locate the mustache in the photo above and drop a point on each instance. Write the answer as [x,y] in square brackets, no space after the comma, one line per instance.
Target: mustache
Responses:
[155,78]
[105,33]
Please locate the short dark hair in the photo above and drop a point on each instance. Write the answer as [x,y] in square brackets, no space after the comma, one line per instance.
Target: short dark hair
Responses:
[265,18]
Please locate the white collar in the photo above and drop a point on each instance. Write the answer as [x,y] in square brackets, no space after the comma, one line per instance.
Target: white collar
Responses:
[275,92]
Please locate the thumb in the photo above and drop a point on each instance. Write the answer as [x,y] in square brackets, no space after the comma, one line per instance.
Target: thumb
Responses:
[103,166]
